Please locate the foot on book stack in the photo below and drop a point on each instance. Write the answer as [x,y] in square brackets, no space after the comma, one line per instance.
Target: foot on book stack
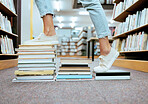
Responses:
[42,39]
[74,70]
[36,63]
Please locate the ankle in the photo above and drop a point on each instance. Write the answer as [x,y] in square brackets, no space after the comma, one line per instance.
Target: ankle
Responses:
[105,52]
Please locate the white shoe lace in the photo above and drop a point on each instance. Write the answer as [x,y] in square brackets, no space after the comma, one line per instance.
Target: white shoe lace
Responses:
[101,58]
[39,37]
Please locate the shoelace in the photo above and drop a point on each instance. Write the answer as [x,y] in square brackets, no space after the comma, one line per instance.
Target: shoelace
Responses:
[39,37]
[101,58]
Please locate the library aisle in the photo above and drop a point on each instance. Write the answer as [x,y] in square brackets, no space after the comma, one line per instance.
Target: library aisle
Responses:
[40,69]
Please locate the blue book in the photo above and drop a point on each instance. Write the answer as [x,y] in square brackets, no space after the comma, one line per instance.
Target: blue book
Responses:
[74,77]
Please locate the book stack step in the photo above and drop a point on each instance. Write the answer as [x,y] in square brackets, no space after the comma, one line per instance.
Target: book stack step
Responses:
[113,75]
[36,63]
[74,70]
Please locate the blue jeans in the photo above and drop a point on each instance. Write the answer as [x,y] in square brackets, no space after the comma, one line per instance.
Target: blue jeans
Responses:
[93,7]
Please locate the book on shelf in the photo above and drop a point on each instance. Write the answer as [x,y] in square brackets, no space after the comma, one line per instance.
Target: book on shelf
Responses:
[133,21]
[6,45]
[106,1]
[9,4]
[133,42]
[119,8]
[5,24]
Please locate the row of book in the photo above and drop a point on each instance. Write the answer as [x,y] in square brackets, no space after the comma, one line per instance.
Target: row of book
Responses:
[134,42]
[9,4]
[119,8]
[6,45]
[106,1]
[133,21]
[5,24]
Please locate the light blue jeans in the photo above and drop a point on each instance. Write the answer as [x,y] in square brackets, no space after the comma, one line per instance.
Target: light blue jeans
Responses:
[92,6]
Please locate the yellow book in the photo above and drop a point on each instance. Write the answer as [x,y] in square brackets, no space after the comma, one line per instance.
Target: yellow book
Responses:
[44,72]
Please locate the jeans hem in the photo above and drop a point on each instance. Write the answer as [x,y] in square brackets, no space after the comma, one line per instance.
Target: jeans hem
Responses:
[102,36]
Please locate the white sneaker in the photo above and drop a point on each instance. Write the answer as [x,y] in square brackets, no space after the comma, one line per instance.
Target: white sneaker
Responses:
[43,39]
[106,62]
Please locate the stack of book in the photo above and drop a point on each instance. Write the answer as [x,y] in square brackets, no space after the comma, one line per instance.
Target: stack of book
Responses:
[6,45]
[82,44]
[74,70]
[133,21]
[133,42]
[5,23]
[35,63]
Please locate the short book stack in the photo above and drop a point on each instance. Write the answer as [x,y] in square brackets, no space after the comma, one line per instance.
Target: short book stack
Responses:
[74,70]
[36,63]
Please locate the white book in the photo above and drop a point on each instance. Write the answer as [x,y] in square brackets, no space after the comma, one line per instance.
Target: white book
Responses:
[36,65]
[35,52]
[75,73]
[36,68]
[112,77]
[34,60]
[34,77]
[36,56]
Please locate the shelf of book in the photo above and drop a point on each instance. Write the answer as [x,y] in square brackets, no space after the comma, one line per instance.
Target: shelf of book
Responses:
[141,28]
[7,33]
[6,11]
[138,51]
[137,6]
[118,1]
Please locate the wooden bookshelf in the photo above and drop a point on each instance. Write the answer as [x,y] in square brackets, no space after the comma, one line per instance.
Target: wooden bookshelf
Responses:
[7,33]
[139,51]
[8,63]
[138,65]
[9,60]
[136,60]
[6,11]
[118,1]
[123,35]
[137,6]
[8,54]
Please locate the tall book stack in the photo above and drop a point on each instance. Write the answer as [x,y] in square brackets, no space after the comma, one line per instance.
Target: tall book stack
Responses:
[35,63]
[74,70]
[82,44]
[65,46]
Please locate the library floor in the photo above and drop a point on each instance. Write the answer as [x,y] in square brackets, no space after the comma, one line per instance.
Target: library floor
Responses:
[134,91]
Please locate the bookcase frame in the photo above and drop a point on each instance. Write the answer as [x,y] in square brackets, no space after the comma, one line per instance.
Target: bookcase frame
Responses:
[10,60]
[140,65]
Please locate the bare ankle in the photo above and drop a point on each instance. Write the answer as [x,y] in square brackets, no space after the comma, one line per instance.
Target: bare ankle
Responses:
[105,52]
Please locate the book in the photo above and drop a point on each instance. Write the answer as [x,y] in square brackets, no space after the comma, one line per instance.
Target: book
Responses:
[74,76]
[33,77]
[133,42]
[35,65]
[36,56]
[36,68]
[33,73]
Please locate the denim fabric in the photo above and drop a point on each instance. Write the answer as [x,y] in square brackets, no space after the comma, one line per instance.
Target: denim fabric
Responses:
[92,6]
[44,7]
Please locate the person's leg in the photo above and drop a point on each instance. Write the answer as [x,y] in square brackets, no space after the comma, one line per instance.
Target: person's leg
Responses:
[48,25]
[108,54]
[99,20]
[46,12]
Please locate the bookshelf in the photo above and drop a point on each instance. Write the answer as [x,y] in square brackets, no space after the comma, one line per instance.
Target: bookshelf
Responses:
[6,11]
[8,59]
[123,35]
[133,59]
[137,6]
